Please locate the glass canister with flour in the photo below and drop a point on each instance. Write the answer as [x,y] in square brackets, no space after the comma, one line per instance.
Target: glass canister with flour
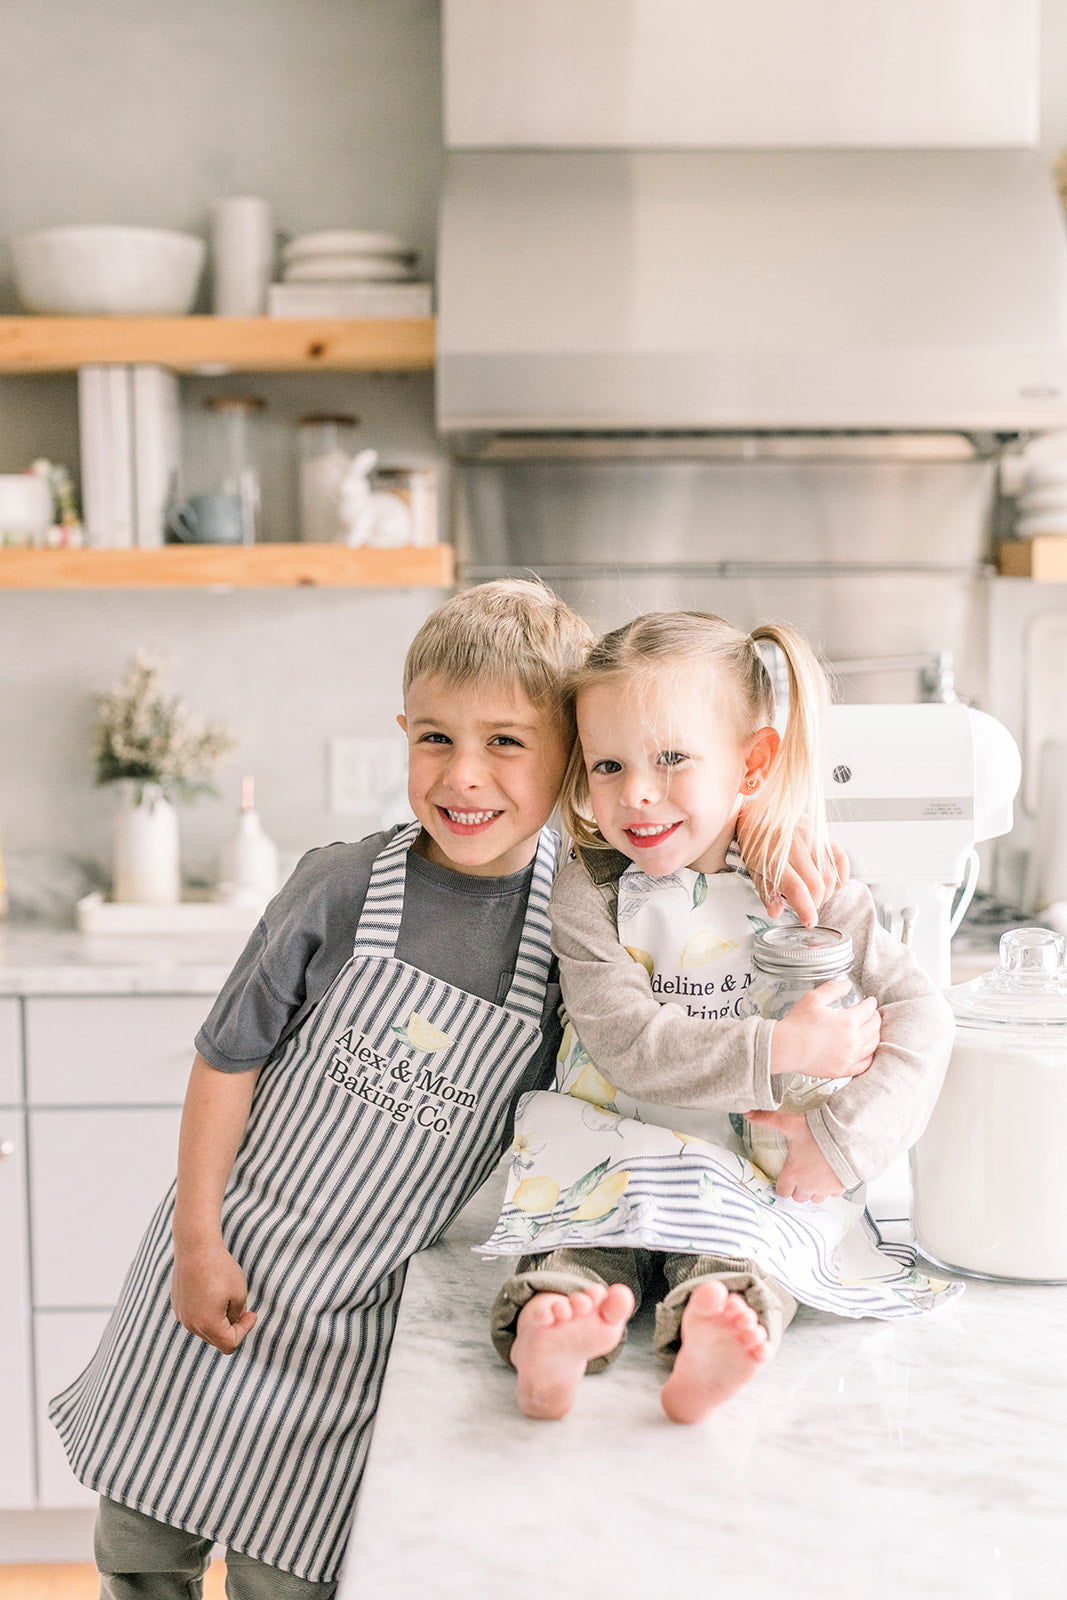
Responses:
[990,1173]
[790,962]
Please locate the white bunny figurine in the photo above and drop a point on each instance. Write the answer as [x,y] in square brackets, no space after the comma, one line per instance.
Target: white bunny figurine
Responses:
[371,516]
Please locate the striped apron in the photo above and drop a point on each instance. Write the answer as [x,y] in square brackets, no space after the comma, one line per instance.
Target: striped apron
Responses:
[368,1132]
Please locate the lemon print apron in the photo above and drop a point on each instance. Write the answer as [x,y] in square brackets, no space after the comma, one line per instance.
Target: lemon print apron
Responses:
[593,1167]
[368,1132]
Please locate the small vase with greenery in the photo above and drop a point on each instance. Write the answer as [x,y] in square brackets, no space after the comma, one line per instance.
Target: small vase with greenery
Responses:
[149,742]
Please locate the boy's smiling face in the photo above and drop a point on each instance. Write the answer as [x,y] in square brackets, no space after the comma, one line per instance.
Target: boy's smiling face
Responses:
[484,771]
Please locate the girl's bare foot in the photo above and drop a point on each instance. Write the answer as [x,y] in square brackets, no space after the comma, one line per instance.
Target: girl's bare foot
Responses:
[556,1335]
[723,1345]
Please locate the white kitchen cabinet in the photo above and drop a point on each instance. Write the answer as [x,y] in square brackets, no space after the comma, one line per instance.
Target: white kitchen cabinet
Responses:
[65,1343]
[93,1137]
[97,1177]
[10,1054]
[105,1077]
[16,1431]
[108,1050]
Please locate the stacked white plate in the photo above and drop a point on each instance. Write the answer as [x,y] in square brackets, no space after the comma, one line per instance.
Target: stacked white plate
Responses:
[347,256]
[1042,500]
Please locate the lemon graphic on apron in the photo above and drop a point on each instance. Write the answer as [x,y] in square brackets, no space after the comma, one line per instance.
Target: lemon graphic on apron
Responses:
[691,1139]
[536,1194]
[704,946]
[602,1199]
[422,1035]
[642,957]
[591,1085]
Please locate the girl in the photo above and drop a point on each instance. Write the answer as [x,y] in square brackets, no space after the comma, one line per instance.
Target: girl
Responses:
[675,723]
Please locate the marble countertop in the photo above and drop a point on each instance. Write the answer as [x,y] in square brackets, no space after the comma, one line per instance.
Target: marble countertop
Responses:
[36,959]
[870,1461]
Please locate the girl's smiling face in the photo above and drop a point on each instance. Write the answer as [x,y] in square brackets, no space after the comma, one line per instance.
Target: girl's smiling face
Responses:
[667,769]
[484,773]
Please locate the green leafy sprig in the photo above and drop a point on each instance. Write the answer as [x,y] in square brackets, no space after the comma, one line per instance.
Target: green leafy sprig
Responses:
[147,736]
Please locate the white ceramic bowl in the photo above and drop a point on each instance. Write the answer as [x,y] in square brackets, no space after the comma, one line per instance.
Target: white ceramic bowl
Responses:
[102,271]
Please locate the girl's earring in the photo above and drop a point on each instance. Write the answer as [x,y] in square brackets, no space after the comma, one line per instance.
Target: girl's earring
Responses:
[753,783]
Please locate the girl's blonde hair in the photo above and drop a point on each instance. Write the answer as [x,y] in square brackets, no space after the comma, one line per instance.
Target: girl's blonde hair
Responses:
[639,653]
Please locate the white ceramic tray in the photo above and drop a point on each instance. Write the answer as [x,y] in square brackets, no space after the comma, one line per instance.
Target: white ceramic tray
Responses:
[97,915]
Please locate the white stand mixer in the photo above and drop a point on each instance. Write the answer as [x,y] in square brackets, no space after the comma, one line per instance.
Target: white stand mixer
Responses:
[911,789]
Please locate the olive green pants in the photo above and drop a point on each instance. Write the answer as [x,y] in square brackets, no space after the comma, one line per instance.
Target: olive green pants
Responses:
[568,1271]
[138,1556]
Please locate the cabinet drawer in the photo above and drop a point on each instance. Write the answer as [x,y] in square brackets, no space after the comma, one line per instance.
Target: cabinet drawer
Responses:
[107,1050]
[97,1177]
[10,1053]
[65,1343]
[16,1428]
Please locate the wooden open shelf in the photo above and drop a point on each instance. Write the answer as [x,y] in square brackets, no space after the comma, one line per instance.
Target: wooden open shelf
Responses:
[1044,557]
[257,566]
[198,344]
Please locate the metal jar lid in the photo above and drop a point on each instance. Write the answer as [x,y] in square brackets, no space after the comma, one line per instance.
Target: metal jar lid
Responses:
[803,952]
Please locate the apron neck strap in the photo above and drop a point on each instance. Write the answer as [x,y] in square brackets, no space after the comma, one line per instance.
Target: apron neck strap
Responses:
[527,991]
[379,921]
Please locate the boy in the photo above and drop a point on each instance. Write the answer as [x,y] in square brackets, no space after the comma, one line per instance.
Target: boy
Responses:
[353,1087]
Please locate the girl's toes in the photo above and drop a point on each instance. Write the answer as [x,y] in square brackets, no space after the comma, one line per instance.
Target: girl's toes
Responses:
[710,1299]
[617,1304]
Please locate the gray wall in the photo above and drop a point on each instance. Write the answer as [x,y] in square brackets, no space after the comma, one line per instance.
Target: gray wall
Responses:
[140,111]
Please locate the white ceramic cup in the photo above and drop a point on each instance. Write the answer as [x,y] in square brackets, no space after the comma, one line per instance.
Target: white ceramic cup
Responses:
[242,255]
[26,511]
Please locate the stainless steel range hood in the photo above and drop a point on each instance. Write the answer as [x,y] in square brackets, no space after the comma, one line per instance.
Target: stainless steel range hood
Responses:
[751,289]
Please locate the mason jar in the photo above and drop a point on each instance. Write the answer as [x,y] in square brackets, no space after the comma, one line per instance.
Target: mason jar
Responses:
[790,963]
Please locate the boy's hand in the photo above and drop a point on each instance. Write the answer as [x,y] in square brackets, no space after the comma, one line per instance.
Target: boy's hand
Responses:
[804,888]
[209,1296]
[806,1174]
[821,1042]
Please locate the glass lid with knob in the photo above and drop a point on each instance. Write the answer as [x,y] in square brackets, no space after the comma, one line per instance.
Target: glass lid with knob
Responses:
[1027,989]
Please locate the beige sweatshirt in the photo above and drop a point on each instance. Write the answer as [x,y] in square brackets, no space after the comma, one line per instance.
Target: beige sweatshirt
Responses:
[658,1052]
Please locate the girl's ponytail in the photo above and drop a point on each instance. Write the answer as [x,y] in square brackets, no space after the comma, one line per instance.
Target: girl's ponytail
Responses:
[794,789]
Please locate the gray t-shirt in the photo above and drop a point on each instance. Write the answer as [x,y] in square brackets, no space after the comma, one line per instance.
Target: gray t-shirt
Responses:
[460,928]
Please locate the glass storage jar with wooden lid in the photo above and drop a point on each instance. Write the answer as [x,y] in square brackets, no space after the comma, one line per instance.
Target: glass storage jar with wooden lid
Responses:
[231,466]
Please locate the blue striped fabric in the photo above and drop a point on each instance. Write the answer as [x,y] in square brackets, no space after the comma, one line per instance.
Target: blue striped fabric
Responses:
[618,1182]
[360,1149]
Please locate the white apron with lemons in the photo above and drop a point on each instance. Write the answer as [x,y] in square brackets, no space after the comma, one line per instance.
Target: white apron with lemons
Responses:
[592,1166]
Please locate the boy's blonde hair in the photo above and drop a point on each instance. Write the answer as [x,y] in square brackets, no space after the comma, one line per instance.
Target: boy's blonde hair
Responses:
[512,633]
[639,653]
